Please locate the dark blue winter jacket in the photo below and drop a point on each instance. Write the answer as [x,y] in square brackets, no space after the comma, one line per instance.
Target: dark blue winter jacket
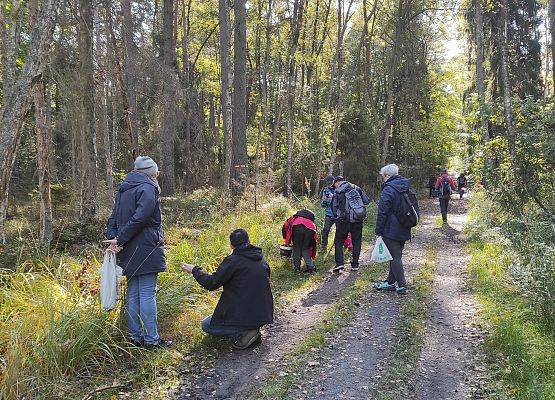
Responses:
[136,221]
[327,200]
[387,224]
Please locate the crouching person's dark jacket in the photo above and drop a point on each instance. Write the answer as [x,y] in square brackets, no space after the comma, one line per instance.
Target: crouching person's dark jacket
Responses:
[247,297]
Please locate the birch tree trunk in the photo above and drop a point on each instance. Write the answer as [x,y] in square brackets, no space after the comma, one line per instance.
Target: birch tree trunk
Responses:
[551,12]
[16,103]
[225,96]
[480,71]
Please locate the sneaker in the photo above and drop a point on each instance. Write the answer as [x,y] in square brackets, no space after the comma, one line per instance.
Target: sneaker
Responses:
[136,343]
[162,344]
[247,339]
[354,267]
[338,268]
[401,290]
[385,285]
[311,270]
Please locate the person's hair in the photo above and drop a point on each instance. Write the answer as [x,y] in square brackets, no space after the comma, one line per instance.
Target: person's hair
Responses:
[390,170]
[239,237]
[443,171]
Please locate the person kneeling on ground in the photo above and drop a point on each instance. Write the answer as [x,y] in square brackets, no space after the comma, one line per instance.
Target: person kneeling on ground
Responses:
[300,230]
[393,233]
[246,302]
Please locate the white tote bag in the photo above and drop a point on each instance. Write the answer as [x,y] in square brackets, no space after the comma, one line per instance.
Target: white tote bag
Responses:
[380,252]
[110,281]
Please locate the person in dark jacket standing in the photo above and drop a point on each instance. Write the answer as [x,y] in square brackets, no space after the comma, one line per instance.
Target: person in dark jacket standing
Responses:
[246,302]
[326,202]
[446,186]
[431,185]
[134,231]
[388,227]
[461,183]
[345,224]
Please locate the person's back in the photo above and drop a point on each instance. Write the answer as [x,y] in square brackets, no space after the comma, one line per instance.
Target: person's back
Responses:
[390,202]
[446,186]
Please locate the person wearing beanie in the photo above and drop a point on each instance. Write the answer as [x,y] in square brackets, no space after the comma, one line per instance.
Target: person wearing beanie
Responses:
[134,231]
[326,202]
[246,303]
[446,186]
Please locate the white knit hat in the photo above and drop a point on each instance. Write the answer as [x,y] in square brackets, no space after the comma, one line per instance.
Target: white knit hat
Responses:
[146,165]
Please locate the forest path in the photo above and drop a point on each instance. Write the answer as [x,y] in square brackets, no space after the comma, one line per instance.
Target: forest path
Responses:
[357,358]
[451,365]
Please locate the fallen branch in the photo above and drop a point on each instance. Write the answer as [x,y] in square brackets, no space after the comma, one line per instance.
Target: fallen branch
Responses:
[89,395]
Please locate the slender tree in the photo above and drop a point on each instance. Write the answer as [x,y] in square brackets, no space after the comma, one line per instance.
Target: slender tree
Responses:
[225,97]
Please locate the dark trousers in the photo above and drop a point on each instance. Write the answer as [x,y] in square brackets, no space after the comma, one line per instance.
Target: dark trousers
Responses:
[328,223]
[396,270]
[302,241]
[444,206]
[431,192]
[225,331]
[342,230]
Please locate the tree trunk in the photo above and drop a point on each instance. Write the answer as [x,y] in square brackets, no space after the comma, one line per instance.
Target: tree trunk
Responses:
[480,71]
[87,145]
[551,12]
[507,103]
[169,98]
[16,103]
[130,78]
[44,138]
[225,97]
[240,158]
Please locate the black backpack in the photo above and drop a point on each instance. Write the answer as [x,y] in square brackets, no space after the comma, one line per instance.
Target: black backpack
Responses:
[408,213]
[445,189]
[355,210]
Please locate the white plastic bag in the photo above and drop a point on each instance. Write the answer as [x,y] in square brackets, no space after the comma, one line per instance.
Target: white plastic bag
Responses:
[110,281]
[380,252]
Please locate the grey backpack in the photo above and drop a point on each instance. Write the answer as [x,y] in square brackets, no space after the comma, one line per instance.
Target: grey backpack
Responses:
[355,210]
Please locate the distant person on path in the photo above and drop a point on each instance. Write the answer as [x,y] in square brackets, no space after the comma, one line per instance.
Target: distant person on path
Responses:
[326,202]
[431,185]
[300,231]
[349,210]
[135,233]
[461,183]
[393,233]
[246,302]
[446,186]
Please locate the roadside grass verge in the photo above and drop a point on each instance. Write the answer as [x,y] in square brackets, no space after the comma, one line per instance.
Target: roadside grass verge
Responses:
[395,383]
[521,351]
[335,318]
[56,343]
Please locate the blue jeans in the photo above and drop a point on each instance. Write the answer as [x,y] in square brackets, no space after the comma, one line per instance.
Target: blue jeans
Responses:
[226,331]
[142,323]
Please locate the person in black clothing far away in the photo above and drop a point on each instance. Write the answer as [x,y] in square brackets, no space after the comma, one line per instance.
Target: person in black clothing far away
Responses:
[461,183]
[349,211]
[431,185]
[246,302]
[393,233]
[446,186]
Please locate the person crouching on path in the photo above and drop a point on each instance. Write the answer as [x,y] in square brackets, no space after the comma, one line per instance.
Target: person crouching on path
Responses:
[134,231]
[326,202]
[300,230]
[446,186]
[388,227]
[246,302]
[349,217]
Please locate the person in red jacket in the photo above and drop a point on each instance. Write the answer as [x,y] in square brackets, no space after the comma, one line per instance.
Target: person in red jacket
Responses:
[300,230]
[446,186]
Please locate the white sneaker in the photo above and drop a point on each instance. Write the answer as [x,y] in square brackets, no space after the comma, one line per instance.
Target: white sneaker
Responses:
[338,268]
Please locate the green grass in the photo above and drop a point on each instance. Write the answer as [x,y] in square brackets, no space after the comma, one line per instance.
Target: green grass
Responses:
[412,332]
[522,353]
[335,318]
[55,343]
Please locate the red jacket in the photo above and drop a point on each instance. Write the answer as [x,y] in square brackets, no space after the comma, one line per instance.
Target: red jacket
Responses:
[287,231]
[446,176]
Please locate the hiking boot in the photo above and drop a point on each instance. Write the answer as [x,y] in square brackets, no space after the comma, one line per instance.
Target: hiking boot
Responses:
[247,339]
[338,268]
[311,270]
[162,344]
[385,286]
[401,290]
[136,343]
[355,267]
